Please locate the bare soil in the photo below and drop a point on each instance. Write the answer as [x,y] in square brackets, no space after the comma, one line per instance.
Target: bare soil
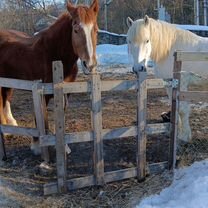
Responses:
[21,180]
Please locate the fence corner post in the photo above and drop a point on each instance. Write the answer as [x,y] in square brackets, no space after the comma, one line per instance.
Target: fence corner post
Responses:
[174,113]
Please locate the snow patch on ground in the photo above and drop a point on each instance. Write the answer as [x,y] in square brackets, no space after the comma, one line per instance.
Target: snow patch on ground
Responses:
[188,190]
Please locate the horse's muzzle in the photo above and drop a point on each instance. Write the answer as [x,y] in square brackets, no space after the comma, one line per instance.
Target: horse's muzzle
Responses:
[87,69]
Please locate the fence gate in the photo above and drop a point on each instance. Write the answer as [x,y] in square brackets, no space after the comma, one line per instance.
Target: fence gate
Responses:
[197,148]
[97,135]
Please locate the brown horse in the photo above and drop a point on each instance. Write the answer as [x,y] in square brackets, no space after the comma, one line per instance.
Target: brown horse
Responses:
[72,36]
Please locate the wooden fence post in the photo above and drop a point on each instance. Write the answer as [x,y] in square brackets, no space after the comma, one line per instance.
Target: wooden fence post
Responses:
[174,113]
[141,125]
[59,118]
[40,108]
[96,115]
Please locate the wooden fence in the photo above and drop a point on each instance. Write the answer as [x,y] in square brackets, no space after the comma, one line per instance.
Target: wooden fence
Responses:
[97,135]
[180,94]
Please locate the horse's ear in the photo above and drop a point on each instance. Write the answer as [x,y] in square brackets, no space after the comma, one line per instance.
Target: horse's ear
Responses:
[129,21]
[146,20]
[71,9]
[95,6]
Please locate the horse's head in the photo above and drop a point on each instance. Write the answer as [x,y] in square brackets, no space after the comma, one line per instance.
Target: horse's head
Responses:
[139,44]
[84,34]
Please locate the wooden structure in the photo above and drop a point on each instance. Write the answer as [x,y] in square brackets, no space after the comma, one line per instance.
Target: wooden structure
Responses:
[180,94]
[97,135]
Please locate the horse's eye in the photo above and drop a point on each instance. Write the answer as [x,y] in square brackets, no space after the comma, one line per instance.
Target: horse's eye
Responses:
[147,41]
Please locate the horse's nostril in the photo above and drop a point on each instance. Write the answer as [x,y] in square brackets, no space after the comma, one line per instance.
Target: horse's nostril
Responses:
[133,69]
[85,64]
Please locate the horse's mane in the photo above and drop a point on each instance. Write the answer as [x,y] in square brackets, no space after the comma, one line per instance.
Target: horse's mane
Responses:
[52,29]
[163,37]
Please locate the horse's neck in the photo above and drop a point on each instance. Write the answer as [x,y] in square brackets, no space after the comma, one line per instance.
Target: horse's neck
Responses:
[188,41]
[167,39]
[57,41]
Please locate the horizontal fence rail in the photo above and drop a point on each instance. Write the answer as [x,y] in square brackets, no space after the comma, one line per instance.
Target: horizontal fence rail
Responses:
[107,134]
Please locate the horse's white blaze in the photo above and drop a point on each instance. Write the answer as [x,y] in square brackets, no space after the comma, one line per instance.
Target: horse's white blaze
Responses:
[8,114]
[88,31]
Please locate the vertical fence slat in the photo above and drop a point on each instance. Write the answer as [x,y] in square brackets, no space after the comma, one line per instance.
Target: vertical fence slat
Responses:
[174,113]
[59,126]
[141,125]
[97,129]
[39,108]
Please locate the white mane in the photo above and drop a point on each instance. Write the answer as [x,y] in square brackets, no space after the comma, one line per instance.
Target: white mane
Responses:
[163,37]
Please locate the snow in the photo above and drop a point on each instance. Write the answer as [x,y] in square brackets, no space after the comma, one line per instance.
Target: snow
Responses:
[110,33]
[108,54]
[188,190]
[193,27]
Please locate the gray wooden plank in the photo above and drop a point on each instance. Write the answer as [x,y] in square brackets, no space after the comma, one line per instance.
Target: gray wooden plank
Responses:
[72,184]
[191,56]
[77,183]
[96,116]
[107,134]
[17,84]
[59,126]
[17,130]
[37,92]
[141,122]
[174,113]
[193,96]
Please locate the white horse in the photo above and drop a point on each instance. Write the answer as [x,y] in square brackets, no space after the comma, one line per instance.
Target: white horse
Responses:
[150,39]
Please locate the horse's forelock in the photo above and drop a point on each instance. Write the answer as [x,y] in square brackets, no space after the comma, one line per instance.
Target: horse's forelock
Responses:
[86,15]
[163,37]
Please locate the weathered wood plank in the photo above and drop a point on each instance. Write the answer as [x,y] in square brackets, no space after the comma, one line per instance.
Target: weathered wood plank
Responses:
[107,134]
[17,130]
[59,126]
[118,85]
[120,174]
[76,87]
[141,124]
[191,56]
[174,113]
[72,184]
[155,83]
[39,115]
[77,183]
[70,138]
[193,96]
[17,84]
[158,128]
[109,85]
[96,114]
[132,172]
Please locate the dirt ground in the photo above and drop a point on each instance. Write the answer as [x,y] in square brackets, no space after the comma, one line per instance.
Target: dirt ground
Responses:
[21,180]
